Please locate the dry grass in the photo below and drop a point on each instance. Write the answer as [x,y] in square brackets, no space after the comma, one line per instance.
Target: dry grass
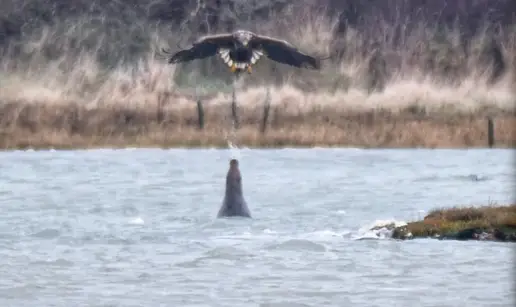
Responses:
[444,221]
[73,126]
[61,87]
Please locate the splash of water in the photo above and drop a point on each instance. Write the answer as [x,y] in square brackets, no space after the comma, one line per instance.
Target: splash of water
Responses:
[234,151]
[379,229]
[231,137]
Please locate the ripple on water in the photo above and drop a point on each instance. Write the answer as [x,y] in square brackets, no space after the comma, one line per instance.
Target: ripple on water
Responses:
[296,245]
[57,263]
[138,228]
[46,234]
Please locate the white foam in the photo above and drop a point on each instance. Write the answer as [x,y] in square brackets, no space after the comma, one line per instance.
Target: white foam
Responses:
[421,214]
[324,235]
[386,223]
[379,229]
[137,221]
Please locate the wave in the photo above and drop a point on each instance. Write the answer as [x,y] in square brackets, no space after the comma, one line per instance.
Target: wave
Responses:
[456,177]
[379,229]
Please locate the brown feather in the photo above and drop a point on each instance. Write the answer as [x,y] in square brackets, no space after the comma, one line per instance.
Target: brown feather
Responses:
[284,52]
[204,47]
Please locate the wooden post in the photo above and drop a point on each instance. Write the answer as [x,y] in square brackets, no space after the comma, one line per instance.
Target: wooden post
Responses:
[74,120]
[234,108]
[200,114]
[160,114]
[275,117]
[266,110]
[490,132]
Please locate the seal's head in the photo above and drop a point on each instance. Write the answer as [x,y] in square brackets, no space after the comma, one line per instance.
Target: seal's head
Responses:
[233,164]
[234,179]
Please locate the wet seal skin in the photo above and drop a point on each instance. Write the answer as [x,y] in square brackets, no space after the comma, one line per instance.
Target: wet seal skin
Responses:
[234,203]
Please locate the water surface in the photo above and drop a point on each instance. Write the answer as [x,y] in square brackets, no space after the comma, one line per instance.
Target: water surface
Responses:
[138,228]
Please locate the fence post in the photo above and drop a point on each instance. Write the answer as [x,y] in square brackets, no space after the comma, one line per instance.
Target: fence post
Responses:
[266,110]
[160,114]
[200,114]
[490,132]
[234,109]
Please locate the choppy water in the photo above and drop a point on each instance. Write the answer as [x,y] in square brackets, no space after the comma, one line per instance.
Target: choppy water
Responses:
[138,228]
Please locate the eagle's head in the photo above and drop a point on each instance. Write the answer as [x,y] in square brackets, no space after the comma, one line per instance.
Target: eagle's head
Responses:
[243,36]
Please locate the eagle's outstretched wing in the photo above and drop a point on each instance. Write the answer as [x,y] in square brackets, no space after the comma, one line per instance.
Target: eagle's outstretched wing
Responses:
[204,47]
[283,52]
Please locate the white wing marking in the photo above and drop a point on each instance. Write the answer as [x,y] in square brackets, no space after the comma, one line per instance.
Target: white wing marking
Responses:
[224,55]
[257,54]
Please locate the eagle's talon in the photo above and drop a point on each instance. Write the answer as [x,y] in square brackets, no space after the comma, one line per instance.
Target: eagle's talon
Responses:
[249,69]
[233,68]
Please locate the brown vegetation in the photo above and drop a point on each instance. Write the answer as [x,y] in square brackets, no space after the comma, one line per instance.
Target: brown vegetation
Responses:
[73,126]
[500,221]
[86,81]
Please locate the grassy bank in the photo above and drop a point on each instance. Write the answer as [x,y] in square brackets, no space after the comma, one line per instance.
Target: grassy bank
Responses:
[74,126]
[495,223]
[85,81]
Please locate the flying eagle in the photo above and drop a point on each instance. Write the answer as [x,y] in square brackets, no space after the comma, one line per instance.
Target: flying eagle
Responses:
[242,49]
